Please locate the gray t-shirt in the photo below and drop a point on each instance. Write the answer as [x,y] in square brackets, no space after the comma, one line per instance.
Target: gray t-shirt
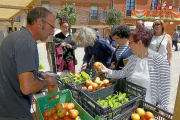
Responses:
[175,36]
[18,54]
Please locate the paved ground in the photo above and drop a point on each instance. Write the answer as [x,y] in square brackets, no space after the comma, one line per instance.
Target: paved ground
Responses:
[175,69]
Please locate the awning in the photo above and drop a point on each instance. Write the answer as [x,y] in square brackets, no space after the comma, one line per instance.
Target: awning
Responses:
[10,9]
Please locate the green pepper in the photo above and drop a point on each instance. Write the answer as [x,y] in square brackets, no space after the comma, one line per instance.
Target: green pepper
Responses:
[117,104]
[108,97]
[110,103]
[72,75]
[114,97]
[122,97]
[105,105]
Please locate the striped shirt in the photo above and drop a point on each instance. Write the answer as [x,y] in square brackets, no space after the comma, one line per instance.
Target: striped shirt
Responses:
[121,50]
[159,72]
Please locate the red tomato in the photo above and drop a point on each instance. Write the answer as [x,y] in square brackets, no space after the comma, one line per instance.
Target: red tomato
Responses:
[50,118]
[88,82]
[59,106]
[65,105]
[53,110]
[73,113]
[55,116]
[149,115]
[97,65]
[143,118]
[61,112]
[46,114]
[70,106]
[67,117]
[59,119]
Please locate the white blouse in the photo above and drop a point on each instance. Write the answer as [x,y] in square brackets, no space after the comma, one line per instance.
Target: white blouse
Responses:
[141,77]
[155,42]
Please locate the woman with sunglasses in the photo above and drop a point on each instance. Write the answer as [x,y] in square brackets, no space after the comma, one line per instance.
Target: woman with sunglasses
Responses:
[161,42]
[65,43]
[145,68]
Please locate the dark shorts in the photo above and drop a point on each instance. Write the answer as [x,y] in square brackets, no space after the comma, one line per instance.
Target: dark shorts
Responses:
[30,117]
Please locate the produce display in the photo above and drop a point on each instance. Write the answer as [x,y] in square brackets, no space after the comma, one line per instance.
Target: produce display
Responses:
[68,77]
[109,98]
[96,85]
[62,111]
[114,101]
[142,115]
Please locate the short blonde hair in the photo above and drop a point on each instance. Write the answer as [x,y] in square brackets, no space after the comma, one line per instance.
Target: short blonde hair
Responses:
[162,23]
[85,37]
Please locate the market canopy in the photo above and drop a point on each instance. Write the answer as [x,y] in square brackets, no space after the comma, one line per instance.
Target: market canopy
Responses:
[10,9]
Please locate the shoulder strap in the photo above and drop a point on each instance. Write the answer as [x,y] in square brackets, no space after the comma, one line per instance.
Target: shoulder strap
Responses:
[160,43]
[116,47]
[120,58]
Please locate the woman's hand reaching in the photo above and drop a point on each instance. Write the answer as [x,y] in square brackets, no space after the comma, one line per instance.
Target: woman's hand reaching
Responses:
[101,69]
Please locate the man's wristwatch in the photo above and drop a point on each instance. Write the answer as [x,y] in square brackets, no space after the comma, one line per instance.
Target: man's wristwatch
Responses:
[40,73]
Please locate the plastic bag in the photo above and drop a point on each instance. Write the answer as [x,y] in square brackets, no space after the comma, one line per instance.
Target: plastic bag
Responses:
[40,64]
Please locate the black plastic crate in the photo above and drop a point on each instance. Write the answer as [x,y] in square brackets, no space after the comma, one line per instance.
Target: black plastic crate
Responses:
[91,106]
[75,92]
[95,94]
[159,114]
[91,73]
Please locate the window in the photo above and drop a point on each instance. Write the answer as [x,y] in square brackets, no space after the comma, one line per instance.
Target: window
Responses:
[104,14]
[178,28]
[156,4]
[17,19]
[45,4]
[130,6]
[94,11]
[179,6]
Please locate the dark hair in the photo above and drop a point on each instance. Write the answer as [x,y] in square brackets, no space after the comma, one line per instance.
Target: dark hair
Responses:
[113,28]
[175,29]
[63,20]
[143,34]
[122,31]
[141,21]
[36,13]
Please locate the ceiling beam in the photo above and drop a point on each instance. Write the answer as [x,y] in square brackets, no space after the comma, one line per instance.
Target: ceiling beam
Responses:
[13,7]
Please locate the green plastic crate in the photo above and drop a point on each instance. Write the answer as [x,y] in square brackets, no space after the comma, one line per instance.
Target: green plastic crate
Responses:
[64,96]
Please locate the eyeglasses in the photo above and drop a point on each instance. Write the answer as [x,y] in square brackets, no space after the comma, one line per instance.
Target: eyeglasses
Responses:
[65,27]
[157,24]
[130,42]
[48,24]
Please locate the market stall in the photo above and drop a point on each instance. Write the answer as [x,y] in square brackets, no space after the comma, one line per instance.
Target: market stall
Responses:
[90,101]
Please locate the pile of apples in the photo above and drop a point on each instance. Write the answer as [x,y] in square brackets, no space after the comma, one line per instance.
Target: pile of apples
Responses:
[96,85]
[62,111]
[142,115]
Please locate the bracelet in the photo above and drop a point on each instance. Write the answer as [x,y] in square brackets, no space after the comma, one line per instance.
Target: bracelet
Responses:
[40,73]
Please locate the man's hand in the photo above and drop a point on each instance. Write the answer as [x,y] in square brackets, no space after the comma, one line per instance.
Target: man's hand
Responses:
[69,46]
[113,65]
[51,81]
[84,66]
